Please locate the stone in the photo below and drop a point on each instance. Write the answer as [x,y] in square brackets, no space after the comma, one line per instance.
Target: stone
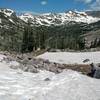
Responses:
[97,73]
[86,60]
[47,79]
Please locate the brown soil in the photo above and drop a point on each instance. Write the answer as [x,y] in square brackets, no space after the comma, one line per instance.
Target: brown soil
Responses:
[85,69]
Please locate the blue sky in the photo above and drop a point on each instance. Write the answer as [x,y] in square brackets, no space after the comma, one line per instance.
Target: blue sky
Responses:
[43,6]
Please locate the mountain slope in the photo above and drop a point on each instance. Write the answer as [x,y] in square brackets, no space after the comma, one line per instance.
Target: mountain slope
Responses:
[61,30]
[9,19]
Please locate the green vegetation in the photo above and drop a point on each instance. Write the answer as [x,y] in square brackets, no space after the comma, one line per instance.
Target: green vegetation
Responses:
[33,38]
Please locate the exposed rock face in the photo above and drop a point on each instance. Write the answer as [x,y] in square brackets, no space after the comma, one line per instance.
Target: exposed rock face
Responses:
[92,39]
[97,74]
[95,71]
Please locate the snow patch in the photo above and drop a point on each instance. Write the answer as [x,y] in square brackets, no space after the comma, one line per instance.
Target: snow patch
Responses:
[11,20]
[71,57]
[13,63]
[7,12]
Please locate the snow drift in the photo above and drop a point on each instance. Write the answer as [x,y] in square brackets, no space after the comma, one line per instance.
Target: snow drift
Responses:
[68,85]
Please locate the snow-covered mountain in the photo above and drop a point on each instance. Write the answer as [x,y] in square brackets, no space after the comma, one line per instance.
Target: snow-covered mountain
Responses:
[10,16]
[7,12]
[9,19]
[58,18]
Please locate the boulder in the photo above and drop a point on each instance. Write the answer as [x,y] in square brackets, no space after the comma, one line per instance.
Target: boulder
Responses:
[97,73]
[47,79]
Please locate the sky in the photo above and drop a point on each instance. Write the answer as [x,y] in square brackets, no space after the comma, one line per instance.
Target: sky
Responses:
[46,6]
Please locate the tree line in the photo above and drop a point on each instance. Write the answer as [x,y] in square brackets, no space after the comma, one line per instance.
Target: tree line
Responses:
[32,38]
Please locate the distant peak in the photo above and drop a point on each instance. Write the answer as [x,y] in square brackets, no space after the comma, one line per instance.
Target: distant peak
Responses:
[59,18]
[7,12]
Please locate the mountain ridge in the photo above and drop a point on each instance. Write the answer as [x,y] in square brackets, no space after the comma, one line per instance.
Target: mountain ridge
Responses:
[48,19]
[59,18]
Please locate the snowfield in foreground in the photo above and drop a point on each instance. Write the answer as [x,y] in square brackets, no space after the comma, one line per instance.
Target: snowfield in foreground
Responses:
[68,85]
[71,57]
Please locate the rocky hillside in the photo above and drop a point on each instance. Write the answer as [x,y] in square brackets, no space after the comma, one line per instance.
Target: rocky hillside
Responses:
[9,19]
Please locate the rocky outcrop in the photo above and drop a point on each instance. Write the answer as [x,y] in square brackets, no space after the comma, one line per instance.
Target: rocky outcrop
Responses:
[95,70]
[28,63]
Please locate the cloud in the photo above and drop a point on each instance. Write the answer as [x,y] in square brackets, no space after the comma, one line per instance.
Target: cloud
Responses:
[44,2]
[85,1]
[92,4]
[95,5]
